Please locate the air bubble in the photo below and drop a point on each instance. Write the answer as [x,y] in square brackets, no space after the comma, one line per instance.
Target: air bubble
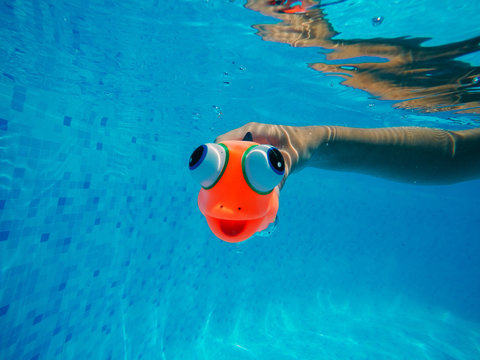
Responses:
[218,110]
[377,20]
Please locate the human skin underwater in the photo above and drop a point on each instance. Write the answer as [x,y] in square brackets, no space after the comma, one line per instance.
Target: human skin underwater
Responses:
[413,155]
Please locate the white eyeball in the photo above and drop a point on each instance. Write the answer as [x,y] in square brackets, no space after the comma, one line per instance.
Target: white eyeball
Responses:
[263,168]
[207,163]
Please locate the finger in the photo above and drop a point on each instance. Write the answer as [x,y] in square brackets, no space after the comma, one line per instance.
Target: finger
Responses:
[236,134]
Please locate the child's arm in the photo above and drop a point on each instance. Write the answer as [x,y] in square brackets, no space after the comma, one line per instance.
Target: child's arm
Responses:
[408,154]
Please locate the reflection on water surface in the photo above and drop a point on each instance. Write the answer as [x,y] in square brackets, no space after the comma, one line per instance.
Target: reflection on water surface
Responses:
[429,79]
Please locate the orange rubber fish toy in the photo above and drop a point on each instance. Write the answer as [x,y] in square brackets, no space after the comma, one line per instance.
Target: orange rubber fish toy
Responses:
[239,196]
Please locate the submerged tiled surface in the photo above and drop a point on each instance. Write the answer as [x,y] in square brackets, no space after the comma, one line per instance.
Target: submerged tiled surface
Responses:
[94,190]
[104,254]
[90,197]
[77,193]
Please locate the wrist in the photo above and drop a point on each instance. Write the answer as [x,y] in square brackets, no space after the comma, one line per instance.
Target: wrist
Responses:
[301,144]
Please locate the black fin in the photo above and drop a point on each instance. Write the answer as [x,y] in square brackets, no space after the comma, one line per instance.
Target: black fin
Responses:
[248,137]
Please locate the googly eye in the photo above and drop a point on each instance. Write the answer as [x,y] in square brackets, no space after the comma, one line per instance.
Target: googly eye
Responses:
[207,164]
[263,168]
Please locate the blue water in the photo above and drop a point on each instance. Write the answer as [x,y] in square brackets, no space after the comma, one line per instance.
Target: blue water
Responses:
[103,252]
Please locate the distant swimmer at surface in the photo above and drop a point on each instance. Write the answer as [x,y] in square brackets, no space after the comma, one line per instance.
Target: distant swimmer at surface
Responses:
[414,155]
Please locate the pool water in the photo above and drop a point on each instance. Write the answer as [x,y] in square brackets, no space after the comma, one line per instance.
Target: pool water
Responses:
[103,251]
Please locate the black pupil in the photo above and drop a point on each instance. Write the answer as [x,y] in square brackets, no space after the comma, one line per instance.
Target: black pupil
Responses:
[276,159]
[196,155]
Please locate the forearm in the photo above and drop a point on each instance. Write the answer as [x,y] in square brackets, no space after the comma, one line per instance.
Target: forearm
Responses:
[408,154]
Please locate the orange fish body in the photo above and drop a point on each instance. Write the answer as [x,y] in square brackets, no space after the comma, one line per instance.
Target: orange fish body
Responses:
[240,203]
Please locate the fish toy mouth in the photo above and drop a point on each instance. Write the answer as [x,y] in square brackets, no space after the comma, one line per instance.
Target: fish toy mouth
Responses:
[232,227]
[234,230]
